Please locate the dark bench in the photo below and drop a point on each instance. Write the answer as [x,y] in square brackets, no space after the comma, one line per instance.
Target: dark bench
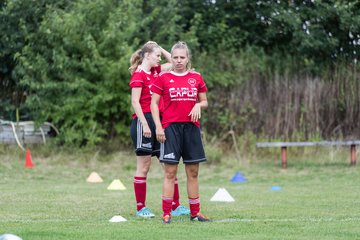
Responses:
[285,145]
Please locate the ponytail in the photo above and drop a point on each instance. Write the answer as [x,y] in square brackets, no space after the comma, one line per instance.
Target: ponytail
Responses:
[138,56]
[135,60]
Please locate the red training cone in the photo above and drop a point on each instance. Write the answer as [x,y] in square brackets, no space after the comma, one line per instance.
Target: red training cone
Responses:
[28,160]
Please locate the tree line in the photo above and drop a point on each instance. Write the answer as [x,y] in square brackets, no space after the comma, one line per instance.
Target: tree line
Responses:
[277,69]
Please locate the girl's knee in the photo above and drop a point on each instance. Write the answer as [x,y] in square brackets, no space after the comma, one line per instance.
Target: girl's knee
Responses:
[192,171]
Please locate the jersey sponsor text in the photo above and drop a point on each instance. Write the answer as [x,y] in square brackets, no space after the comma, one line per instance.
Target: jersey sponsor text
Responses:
[183,92]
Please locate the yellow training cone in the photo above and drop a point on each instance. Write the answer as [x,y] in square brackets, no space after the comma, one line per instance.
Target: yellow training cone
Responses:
[94,178]
[116,185]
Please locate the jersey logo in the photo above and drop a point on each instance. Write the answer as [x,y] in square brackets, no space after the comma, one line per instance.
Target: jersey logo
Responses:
[146,145]
[170,156]
[171,81]
[148,78]
[192,81]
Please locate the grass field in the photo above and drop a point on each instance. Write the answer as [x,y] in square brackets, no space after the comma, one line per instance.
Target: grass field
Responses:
[319,198]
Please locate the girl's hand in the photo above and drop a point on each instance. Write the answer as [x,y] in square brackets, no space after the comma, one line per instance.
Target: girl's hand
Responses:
[160,135]
[195,113]
[146,131]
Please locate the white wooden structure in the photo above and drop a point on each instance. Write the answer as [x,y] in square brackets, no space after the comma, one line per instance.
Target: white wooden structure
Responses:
[24,132]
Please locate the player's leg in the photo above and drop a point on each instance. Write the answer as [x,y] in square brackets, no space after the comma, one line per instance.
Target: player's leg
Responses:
[143,149]
[192,172]
[193,154]
[177,208]
[170,155]
[142,168]
[170,171]
[192,184]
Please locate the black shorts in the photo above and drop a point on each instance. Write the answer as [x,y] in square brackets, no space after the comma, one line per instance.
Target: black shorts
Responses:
[182,140]
[144,146]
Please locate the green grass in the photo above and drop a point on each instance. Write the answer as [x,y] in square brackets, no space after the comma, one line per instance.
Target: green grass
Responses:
[319,197]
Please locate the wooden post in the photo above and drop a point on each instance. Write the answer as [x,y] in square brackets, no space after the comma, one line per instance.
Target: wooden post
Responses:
[353,155]
[283,157]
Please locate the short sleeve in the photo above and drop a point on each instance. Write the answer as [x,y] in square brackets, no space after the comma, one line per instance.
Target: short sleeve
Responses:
[202,85]
[136,80]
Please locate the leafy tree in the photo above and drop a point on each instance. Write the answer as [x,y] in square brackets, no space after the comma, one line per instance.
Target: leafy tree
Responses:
[72,57]
[315,33]
[76,69]
[18,19]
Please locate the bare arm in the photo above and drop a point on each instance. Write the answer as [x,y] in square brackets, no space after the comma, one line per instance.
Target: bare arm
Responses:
[195,113]
[135,102]
[160,134]
[166,66]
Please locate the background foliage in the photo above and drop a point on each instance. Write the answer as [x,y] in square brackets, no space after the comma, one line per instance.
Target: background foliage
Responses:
[276,69]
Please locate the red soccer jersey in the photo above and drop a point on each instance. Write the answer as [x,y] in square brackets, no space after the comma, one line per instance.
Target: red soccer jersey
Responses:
[179,93]
[143,79]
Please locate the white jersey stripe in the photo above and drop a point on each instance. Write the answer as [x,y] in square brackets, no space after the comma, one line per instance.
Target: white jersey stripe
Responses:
[194,201]
[157,86]
[139,181]
[161,151]
[139,134]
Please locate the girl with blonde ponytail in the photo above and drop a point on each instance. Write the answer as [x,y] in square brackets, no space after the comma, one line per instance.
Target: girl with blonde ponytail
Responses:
[145,68]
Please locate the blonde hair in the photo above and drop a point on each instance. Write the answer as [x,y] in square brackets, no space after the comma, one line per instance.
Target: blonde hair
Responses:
[183,45]
[138,56]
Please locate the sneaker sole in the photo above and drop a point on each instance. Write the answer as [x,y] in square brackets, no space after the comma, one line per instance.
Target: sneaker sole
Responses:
[178,215]
[145,216]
